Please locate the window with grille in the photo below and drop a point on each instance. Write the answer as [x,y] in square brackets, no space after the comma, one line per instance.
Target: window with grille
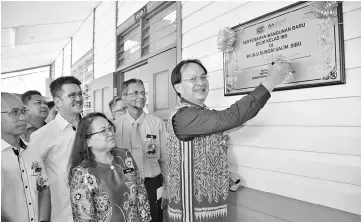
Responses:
[83,70]
[152,32]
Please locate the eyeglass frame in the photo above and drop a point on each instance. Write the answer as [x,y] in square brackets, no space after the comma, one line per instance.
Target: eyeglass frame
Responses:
[137,93]
[25,111]
[105,132]
[79,94]
[120,110]
[195,79]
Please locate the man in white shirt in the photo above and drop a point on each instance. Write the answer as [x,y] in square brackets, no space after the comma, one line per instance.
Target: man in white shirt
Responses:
[25,195]
[145,136]
[55,142]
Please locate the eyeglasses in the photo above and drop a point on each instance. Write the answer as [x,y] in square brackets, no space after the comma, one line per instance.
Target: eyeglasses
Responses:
[137,93]
[195,79]
[120,110]
[105,131]
[15,113]
[73,95]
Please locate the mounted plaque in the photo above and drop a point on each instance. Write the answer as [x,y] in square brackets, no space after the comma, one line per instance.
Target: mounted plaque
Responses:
[301,34]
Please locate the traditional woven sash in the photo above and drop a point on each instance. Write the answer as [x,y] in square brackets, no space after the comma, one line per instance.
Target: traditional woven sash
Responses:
[197,176]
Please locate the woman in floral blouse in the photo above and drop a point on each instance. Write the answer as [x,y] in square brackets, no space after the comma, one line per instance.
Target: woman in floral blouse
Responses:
[105,184]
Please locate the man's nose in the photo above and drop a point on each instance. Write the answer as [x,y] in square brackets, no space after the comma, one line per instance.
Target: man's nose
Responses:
[23,116]
[199,81]
[43,105]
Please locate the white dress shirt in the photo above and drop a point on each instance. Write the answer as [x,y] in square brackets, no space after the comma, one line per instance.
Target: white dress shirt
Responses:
[20,176]
[55,142]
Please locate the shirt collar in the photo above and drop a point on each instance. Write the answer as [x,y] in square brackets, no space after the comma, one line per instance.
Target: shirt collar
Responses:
[5,145]
[63,123]
[189,102]
[132,120]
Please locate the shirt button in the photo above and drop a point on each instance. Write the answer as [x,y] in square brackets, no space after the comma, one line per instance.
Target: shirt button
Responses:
[26,186]
[32,219]
[23,171]
[29,203]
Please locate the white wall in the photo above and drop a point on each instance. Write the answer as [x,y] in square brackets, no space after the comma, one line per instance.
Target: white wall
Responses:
[67,59]
[58,70]
[104,40]
[83,39]
[305,143]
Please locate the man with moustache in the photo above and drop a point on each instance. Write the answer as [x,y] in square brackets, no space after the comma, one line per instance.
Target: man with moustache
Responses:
[25,195]
[145,136]
[38,112]
[54,142]
[198,177]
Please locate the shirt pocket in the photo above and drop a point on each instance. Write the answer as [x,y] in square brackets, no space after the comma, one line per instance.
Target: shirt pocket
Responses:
[151,146]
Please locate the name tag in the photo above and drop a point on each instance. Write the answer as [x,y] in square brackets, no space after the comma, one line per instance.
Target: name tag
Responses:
[128,170]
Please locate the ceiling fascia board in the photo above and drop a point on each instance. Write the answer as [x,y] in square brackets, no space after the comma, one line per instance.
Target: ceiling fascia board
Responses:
[21,70]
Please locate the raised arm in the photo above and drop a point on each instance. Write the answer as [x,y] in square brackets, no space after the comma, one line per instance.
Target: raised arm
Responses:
[190,122]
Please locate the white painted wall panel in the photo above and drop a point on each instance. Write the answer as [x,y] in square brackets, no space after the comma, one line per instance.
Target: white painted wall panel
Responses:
[305,143]
[83,39]
[341,196]
[59,65]
[350,6]
[104,39]
[67,60]
[330,140]
[188,9]
[331,167]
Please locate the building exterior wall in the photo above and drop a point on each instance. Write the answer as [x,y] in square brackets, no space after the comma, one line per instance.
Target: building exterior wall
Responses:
[82,40]
[58,65]
[305,143]
[104,39]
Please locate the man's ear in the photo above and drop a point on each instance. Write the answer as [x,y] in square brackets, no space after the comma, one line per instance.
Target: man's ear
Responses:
[57,101]
[178,88]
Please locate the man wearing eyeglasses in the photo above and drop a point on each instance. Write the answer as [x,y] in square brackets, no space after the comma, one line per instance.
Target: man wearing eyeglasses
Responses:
[55,141]
[25,195]
[38,112]
[117,107]
[145,136]
[198,174]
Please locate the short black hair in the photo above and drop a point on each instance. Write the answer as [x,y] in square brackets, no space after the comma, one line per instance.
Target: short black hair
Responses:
[55,86]
[176,76]
[26,96]
[113,101]
[50,104]
[126,84]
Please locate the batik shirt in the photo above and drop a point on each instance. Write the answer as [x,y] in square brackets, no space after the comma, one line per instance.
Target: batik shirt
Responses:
[198,177]
[109,193]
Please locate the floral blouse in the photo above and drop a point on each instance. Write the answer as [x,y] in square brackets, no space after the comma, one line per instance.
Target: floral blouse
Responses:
[109,193]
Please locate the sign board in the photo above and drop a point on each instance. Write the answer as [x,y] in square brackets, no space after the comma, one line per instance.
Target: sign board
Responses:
[313,46]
